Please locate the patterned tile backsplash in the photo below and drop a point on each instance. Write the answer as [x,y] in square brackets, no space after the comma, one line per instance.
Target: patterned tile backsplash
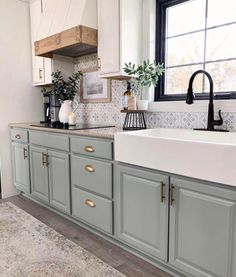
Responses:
[109,113]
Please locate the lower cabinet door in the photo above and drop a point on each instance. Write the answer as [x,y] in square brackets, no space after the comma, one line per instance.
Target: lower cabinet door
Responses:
[39,173]
[20,160]
[59,181]
[141,211]
[203,229]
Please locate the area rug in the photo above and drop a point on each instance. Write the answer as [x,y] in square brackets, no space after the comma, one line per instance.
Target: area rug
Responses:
[30,248]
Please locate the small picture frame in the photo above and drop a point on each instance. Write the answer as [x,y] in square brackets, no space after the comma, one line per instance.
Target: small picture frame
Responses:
[94,89]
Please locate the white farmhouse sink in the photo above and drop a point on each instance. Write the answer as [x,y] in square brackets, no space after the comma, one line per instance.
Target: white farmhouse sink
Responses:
[199,154]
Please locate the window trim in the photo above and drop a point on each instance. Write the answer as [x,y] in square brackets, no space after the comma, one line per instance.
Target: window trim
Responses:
[161,6]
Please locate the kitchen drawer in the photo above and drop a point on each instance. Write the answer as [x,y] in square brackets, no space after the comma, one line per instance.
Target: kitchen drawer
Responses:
[19,135]
[60,142]
[92,175]
[92,147]
[92,209]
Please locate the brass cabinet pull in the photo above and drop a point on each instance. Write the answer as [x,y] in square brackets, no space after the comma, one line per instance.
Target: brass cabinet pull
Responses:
[25,153]
[90,203]
[47,162]
[40,73]
[43,159]
[162,192]
[89,148]
[18,136]
[171,194]
[89,168]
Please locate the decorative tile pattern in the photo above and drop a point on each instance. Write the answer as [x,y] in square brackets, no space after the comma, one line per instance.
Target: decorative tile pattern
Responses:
[109,113]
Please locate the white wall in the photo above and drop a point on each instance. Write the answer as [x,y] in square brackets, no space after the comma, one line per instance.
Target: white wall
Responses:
[19,101]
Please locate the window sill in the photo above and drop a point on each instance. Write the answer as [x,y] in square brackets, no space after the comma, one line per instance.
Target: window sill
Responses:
[197,106]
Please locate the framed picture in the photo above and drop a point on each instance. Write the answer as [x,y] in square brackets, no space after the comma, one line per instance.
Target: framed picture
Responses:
[93,89]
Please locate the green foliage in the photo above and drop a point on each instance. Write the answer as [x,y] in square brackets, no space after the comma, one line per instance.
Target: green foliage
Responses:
[63,90]
[145,75]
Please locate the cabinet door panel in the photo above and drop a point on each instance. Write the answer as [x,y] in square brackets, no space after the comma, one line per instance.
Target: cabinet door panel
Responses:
[59,181]
[109,35]
[39,174]
[20,162]
[202,230]
[141,218]
[38,70]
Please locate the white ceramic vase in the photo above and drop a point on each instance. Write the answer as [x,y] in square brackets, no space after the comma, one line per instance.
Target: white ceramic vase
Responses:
[66,109]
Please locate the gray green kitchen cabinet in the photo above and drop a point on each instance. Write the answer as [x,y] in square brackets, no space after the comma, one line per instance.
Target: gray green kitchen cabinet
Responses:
[141,209]
[50,177]
[202,229]
[92,182]
[39,173]
[59,180]
[20,164]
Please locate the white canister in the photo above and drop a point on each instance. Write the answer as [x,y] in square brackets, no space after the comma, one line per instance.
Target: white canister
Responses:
[142,105]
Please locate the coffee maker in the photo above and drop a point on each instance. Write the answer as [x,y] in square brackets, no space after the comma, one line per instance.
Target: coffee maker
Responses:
[46,108]
[51,107]
[54,108]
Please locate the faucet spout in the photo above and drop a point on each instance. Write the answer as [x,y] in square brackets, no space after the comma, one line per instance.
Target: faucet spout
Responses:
[211,122]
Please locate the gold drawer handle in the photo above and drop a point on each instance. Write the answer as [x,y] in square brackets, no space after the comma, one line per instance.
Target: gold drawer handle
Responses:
[89,168]
[89,148]
[17,136]
[90,203]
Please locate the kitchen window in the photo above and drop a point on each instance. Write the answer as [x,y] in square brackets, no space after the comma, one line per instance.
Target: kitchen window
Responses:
[193,35]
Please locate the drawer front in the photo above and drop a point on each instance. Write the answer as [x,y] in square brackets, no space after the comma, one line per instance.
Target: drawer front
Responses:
[92,147]
[60,142]
[95,210]
[92,175]
[19,135]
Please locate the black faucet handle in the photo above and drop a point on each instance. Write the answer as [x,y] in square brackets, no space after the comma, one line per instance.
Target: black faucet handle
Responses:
[220,116]
[220,121]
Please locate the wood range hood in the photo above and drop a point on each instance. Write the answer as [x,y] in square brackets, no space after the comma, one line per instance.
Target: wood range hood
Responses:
[74,42]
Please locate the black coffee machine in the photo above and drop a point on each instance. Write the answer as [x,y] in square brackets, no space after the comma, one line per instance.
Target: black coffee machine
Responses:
[54,108]
[51,107]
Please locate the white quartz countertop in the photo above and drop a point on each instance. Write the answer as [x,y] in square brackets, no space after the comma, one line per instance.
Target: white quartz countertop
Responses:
[107,133]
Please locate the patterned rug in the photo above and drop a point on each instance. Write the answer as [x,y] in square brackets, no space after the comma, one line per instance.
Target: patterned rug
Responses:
[30,248]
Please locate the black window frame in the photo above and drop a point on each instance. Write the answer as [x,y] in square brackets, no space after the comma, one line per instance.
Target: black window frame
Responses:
[161,6]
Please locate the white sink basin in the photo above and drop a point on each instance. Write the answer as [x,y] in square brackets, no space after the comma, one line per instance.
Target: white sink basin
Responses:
[199,154]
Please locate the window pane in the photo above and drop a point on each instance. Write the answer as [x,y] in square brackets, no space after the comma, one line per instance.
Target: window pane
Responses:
[221,43]
[185,17]
[220,12]
[185,49]
[223,74]
[177,79]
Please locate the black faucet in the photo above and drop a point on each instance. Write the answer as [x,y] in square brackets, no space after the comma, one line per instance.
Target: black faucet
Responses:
[211,122]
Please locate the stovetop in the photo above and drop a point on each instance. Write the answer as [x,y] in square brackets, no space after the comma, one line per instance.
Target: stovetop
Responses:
[66,126]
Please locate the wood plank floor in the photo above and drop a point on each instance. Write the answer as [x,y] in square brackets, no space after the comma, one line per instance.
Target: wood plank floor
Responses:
[118,258]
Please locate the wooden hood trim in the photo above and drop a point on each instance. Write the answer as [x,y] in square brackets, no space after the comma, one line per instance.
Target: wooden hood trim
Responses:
[74,42]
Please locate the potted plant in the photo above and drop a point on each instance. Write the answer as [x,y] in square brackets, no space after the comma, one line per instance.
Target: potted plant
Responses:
[145,75]
[65,92]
